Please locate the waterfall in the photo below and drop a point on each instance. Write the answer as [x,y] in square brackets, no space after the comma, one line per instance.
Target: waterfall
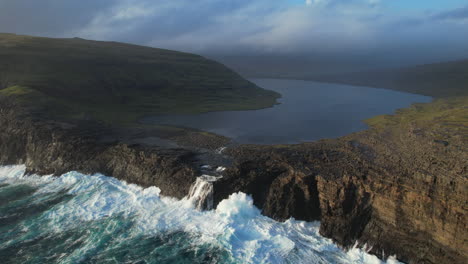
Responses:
[220,150]
[201,192]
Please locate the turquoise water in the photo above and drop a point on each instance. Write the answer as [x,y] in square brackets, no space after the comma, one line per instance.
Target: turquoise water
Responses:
[79,218]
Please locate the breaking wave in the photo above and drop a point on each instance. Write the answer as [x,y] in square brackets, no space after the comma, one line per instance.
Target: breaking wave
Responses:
[78,218]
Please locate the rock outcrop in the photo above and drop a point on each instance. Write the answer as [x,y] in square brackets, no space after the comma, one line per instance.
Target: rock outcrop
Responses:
[50,147]
[396,191]
[400,191]
[409,197]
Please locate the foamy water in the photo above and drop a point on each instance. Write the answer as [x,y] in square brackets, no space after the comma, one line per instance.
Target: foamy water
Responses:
[78,218]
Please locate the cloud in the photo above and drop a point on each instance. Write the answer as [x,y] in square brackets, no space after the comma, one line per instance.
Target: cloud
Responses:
[48,17]
[246,26]
[211,25]
[460,14]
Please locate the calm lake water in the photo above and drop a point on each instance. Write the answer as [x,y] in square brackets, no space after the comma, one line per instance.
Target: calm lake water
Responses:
[308,111]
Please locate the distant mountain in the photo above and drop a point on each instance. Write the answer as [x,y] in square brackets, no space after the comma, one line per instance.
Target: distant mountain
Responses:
[290,66]
[118,82]
[438,80]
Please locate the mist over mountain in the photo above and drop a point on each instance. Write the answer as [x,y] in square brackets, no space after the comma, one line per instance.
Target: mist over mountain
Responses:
[321,35]
[441,79]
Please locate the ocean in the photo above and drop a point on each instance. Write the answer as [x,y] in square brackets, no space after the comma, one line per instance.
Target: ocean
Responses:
[79,218]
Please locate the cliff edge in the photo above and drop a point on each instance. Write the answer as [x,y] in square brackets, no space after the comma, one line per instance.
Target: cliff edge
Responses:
[400,187]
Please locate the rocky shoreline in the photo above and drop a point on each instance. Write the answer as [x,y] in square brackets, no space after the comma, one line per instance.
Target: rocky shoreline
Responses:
[398,190]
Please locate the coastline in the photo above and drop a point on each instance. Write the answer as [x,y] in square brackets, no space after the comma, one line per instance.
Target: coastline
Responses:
[137,214]
[364,187]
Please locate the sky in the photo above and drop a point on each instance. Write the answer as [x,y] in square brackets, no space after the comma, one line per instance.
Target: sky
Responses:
[406,31]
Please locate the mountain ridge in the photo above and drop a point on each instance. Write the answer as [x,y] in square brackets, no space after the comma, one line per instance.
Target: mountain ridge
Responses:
[425,79]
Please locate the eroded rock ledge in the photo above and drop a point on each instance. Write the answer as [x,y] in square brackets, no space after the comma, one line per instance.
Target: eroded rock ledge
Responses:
[409,204]
[399,191]
[48,147]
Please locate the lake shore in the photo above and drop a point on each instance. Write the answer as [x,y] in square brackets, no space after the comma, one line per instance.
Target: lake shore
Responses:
[308,111]
[363,187]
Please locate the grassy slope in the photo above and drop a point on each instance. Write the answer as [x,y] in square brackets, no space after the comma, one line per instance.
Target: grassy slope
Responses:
[446,82]
[445,118]
[437,80]
[118,82]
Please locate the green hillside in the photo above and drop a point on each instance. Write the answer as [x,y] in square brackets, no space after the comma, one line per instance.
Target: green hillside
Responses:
[118,82]
[438,80]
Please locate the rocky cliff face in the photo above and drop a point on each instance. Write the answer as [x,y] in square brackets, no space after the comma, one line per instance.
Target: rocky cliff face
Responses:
[48,147]
[397,191]
[400,191]
[408,198]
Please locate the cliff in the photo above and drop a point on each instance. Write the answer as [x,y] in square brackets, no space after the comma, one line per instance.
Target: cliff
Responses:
[399,189]
[49,147]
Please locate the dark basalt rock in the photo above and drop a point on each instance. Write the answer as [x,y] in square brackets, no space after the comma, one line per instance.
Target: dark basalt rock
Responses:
[279,184]
[48,147]
[399,192]
[400,196]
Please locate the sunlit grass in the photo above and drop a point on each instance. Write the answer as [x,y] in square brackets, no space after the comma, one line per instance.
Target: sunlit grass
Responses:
[450,115]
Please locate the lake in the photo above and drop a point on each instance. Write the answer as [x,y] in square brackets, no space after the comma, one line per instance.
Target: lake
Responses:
[308,111]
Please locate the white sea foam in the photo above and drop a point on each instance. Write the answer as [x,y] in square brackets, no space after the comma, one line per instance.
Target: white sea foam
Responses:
[236,224]
[220,169]
[220,150]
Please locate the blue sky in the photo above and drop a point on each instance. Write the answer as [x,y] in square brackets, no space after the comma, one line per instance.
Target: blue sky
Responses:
[411,5]
[424,5]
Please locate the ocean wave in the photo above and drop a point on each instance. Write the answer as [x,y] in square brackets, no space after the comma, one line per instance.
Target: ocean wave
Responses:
[95,218]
